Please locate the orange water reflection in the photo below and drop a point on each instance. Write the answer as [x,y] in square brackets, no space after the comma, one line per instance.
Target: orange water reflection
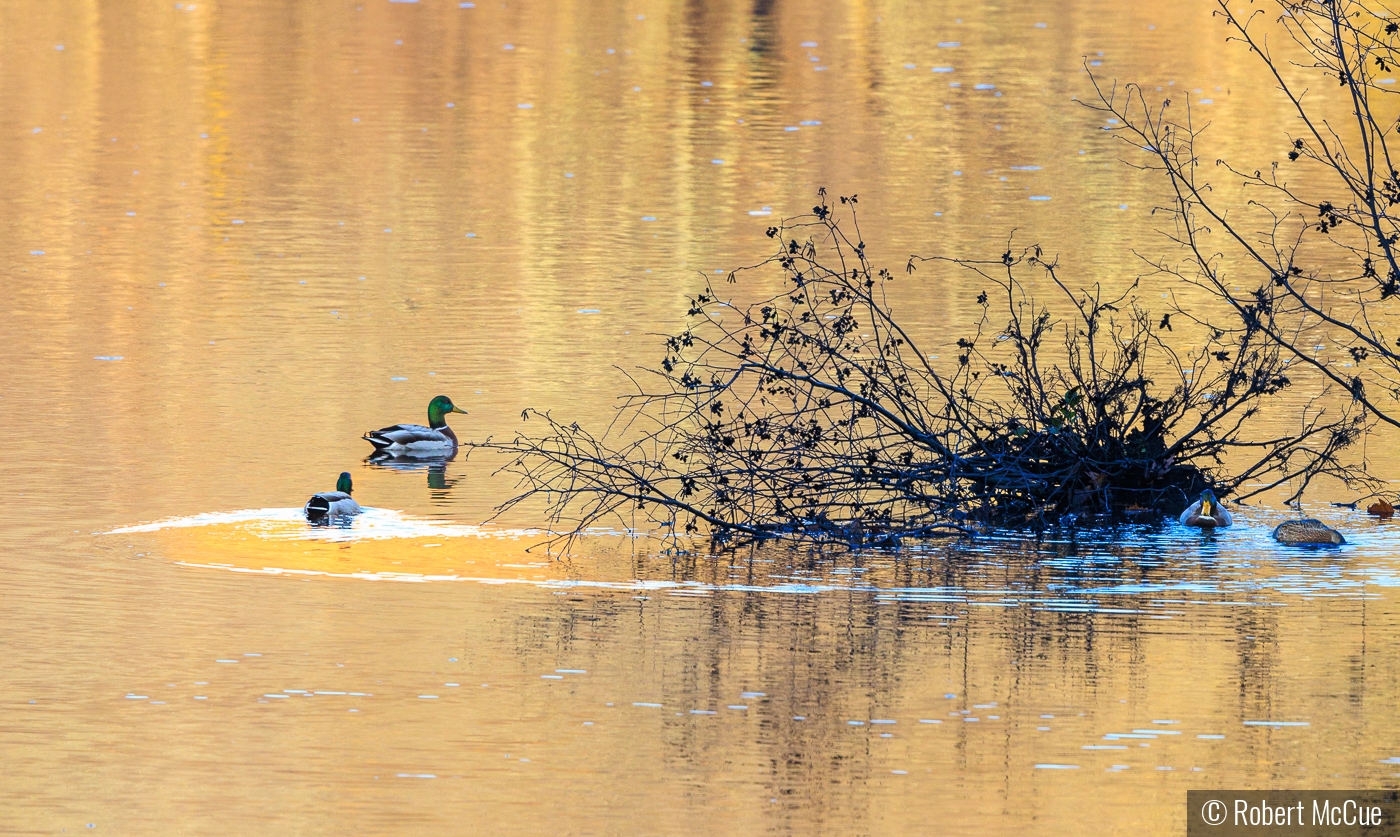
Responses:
[236,235]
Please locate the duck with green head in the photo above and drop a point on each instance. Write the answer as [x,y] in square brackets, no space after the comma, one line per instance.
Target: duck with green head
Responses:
[337,503]
[1207,513]
[437,439]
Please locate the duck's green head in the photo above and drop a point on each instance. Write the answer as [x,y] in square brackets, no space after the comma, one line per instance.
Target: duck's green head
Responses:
[343,484]
[438,409]
[1208,503]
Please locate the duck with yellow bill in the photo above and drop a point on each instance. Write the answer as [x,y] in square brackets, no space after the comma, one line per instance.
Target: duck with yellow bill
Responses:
[437,439]
[1207,513]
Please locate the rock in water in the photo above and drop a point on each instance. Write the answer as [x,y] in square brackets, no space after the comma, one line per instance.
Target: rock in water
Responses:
[1307,531]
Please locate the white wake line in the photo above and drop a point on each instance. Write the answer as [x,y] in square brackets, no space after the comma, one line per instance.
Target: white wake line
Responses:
[953,595]
[946,595]
[639,585]
[373,524]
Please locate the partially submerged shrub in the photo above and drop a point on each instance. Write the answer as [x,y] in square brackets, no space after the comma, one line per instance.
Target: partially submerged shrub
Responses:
[814,414]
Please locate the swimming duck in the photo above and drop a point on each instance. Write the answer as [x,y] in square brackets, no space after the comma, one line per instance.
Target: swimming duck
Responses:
[337,503]
[1307,531]
[1207,513]
[409,439]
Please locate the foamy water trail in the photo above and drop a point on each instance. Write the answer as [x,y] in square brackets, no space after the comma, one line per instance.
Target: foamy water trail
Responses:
[290,524]
[1240,563]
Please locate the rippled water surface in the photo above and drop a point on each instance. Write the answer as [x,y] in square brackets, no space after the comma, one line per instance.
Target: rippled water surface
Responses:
[235,235]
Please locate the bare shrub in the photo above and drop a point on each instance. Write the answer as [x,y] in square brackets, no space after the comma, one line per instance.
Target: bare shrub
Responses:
[812,413]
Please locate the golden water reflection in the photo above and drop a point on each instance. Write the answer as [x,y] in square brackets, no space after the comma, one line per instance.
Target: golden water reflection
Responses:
[238,234]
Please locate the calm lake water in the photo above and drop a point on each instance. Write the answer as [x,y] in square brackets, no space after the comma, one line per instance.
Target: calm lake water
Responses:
[236,235]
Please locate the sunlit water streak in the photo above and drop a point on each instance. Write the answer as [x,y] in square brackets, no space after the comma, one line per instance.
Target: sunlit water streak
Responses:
[372,524]
[1082,569]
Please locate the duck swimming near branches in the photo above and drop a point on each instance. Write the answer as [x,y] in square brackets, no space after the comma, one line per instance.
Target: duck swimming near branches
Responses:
[437,439]
[1207,513]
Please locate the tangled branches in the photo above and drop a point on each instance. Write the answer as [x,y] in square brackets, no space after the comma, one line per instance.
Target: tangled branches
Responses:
[1312,261]
[813,414]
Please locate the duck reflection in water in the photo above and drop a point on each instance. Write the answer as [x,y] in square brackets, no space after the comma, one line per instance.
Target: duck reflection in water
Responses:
[435,466]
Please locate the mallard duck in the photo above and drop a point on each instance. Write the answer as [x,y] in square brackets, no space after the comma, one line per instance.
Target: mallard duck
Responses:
[1207,513]
[337,503]
[1307,531]
[409,439]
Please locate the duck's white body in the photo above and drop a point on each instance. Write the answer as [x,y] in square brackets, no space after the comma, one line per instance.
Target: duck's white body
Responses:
[1218,519]
[413,439]
[334,503]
